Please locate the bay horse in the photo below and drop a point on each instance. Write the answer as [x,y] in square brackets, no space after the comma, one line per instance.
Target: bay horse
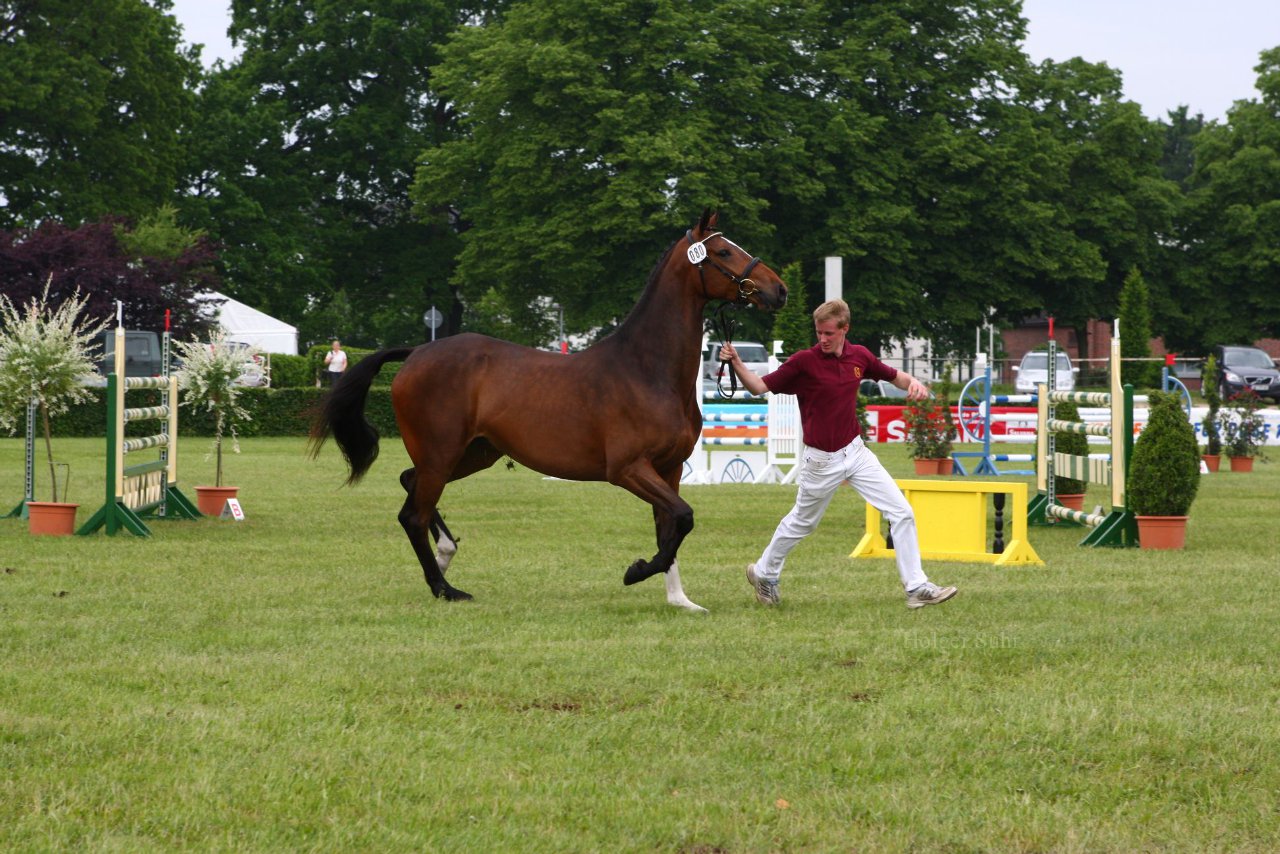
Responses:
[624,411]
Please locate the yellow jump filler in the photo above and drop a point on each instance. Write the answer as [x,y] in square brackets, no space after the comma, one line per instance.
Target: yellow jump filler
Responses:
[952,520]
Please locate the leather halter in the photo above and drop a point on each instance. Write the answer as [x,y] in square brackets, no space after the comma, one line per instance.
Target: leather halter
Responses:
[746,287]
[721,319]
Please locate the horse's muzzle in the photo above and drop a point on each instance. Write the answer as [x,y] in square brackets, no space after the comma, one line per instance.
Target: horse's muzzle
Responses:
[771,300]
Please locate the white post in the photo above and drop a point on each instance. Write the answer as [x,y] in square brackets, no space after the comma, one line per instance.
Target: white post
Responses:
[171,449]
[835,277]
[991,340]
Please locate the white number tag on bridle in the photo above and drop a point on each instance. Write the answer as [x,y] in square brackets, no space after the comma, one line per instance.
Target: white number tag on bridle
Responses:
[697,253]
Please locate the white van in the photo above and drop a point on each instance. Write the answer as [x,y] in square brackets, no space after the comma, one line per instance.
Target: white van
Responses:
[1034,371]
[753,355]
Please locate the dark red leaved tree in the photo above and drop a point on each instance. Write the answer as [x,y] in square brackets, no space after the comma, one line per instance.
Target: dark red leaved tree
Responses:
[91,259]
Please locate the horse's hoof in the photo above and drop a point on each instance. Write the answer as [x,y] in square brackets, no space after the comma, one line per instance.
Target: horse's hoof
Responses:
[637,572]
[455,595]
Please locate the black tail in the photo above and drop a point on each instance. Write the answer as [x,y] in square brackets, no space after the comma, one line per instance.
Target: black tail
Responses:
[340,413]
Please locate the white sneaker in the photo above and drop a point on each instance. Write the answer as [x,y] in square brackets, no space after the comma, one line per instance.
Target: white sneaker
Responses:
[766,591]
[929,594]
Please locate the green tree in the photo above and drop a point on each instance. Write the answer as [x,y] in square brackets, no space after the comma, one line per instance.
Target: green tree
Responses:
[1180,131]
[793,325]
[306,150]
[1101,186]
[105,262]
[1135,332]
[158,235]
[491,315]
[915,163]
[878,132]
[594,132]
[1229,246]
[95,96]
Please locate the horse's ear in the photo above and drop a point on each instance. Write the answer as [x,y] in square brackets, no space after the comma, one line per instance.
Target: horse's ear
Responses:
[708,220]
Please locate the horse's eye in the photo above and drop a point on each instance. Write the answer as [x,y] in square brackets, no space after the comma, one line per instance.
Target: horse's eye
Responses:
[724,253]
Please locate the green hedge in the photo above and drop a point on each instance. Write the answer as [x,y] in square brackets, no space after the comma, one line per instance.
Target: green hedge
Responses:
[273,412]
[291,371]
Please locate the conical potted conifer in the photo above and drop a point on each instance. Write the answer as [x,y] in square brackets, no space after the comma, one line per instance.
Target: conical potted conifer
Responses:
[1164,474]
[46,354]
[1212,455]
[208,379]
[1069,491]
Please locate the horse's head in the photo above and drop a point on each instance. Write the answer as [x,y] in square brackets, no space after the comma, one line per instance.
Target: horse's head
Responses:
[727,272]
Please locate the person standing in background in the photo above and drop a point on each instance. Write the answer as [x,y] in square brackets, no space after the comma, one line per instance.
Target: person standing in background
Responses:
[335,362]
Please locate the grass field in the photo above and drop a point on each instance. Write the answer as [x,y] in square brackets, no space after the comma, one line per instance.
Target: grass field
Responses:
[288,683]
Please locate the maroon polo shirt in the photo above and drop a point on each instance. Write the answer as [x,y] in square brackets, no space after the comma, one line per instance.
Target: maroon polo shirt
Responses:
[826,387]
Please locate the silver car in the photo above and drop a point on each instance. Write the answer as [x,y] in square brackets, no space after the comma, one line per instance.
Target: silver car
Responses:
[1034,371]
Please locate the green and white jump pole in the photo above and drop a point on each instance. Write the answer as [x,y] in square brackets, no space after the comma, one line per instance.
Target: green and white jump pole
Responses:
[149,488]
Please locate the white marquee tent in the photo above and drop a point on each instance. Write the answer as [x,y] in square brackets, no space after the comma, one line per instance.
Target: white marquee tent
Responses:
[250,326]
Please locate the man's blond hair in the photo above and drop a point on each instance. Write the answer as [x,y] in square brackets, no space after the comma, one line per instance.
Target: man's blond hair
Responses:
[833,309]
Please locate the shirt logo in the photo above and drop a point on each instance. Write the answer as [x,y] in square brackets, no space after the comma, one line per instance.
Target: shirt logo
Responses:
[857,371]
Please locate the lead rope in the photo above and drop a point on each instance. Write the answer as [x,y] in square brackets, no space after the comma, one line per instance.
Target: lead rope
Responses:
[723,322]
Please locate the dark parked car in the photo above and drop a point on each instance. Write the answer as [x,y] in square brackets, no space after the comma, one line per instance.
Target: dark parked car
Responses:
[142,354]
[1246,367]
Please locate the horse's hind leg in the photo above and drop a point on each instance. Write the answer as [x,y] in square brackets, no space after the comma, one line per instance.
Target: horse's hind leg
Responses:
[446,542]
[415,517]
[418,522]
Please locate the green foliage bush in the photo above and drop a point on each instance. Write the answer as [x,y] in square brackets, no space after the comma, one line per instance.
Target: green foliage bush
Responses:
[927,430]
[1241,424]
[1076,444]
[291,371]
[1164,473]
[272,411]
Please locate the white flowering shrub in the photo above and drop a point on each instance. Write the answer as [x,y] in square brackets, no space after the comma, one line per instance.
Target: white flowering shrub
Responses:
[46,353]
[207,379]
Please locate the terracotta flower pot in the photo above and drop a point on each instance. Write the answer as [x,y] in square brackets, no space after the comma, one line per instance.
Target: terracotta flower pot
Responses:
[211,499]
[51,518]
[1212,461]
[1071,501]
[1242,463]
[1162,532]
[927,466]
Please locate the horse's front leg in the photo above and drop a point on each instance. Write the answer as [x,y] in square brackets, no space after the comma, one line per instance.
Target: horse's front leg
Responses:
[673,517]
[675,590]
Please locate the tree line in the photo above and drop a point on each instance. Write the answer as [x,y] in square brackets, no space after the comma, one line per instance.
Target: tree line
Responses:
[361,162]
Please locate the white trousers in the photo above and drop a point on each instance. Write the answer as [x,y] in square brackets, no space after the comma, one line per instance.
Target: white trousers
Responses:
[820,477]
